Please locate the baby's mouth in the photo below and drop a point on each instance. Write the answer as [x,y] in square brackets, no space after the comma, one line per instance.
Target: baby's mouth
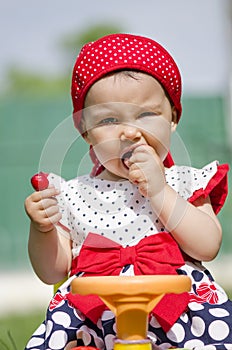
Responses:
[126,158]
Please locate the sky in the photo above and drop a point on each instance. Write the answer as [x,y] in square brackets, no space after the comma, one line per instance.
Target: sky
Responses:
[195,32]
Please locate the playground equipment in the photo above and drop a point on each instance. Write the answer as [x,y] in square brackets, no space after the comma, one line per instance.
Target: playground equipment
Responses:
[131,298]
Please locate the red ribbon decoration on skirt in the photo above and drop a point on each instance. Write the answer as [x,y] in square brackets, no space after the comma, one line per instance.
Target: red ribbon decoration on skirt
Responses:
[158,254]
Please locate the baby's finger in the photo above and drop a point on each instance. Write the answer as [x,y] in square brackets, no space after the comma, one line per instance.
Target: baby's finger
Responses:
[56,218]
[51,191]
[52,211]
[46,223]
[47,202]
[136,175]
[139,157]
[135,166]
[48,193]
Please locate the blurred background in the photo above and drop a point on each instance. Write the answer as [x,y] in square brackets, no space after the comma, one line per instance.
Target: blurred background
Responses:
[39,44]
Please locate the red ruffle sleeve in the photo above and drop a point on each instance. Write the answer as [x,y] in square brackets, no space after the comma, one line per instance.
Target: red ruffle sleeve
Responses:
[216,189]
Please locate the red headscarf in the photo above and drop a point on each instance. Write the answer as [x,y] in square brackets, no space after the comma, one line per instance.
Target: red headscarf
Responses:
[123,51]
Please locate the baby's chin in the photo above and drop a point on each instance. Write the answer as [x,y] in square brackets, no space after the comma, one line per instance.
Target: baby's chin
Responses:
[113,176]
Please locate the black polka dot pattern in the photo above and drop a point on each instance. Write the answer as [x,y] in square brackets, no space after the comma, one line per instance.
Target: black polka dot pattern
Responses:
[117,210]
[206,324]
[186,180]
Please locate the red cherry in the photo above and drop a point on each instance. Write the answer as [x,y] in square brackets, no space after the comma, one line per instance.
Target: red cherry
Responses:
[39,181]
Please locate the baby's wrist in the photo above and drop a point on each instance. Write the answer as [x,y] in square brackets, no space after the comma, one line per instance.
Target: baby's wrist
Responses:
[170,207]
[158,195]
[156,192]
[43,229]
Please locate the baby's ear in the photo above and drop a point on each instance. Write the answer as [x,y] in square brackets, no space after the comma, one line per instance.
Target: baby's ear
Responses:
[84,132]
[85,136]
[174,119]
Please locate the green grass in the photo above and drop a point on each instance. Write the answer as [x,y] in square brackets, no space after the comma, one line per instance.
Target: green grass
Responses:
[15,330]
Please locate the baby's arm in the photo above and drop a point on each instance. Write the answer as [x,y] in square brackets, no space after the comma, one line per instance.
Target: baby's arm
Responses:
[49,250]
[194,226]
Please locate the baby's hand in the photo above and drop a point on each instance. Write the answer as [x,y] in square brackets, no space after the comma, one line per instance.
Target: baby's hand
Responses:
[146,170]
[43,210]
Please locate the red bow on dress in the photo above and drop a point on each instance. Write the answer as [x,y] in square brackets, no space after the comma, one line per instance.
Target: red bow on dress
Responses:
[158,254]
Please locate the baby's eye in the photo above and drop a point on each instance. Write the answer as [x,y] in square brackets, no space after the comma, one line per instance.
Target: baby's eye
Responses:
[147,114]
[110,120]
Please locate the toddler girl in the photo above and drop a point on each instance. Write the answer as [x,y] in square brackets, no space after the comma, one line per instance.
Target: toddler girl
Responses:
[136,213]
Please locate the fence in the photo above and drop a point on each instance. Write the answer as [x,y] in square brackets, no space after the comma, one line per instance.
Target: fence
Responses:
[33,132]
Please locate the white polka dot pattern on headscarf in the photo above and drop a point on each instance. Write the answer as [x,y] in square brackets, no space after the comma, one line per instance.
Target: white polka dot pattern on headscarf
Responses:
[123,51]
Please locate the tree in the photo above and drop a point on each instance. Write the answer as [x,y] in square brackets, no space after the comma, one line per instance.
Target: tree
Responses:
[24,82]
[75,41]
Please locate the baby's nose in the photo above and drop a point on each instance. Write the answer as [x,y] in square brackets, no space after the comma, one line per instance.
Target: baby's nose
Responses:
[130,132]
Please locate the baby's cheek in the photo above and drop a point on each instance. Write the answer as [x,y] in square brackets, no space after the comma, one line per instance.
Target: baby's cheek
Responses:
[160,142]
[105,151]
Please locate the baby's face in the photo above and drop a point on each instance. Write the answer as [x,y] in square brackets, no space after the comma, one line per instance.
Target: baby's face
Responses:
[122,112]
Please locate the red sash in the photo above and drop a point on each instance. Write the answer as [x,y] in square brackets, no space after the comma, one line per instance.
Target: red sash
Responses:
[158,254]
